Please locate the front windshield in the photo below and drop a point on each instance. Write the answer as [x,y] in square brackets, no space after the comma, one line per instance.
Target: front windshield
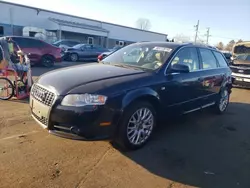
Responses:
[242,57]
[78,46]
[142,55]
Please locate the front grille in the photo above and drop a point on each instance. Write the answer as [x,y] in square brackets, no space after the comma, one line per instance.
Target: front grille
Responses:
[240,70]
[42,95]
[43,120]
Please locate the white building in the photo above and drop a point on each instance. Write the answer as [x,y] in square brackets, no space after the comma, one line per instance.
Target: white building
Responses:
[14,17]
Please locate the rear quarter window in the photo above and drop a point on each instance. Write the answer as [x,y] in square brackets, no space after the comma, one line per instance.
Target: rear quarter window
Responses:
[221,59]
[208,59]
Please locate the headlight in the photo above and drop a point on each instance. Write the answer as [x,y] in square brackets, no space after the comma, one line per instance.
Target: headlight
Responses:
[83,100]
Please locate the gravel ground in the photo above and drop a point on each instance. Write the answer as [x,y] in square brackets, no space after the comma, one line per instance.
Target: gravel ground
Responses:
[197,150]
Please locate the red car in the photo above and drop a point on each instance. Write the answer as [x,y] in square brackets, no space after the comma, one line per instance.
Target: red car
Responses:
[40,52]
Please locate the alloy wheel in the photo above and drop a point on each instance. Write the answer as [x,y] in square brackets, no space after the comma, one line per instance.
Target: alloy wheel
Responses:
[73,57]
[224,100]
[140,126]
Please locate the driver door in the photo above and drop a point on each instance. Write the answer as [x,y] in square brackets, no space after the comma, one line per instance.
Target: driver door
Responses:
[182,90]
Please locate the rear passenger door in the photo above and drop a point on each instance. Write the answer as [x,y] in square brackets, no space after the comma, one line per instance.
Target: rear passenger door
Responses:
[211,76]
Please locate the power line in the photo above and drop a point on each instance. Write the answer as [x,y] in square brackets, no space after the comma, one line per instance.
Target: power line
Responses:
[226,37]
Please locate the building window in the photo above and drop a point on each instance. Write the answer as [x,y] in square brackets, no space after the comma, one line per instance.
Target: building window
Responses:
[1,31]
[90,40]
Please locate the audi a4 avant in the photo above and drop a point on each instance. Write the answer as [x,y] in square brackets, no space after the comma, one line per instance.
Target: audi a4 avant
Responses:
[123,96]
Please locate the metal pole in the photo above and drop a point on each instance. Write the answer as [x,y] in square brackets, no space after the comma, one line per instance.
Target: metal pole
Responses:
[11,21]
[196,30]
[208,34]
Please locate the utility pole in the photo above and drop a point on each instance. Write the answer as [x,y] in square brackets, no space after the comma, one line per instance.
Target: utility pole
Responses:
[196,30]
[208,34]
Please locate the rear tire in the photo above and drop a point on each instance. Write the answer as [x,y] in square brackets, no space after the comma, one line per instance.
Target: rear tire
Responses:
[222,103]
[48,61]
[136,127]
[3,83]
[74,57]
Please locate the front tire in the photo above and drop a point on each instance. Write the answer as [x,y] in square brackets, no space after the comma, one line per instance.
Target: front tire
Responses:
[222,103]
[136,126]
[74,57]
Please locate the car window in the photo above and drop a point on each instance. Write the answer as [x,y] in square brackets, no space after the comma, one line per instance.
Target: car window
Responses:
[241,57]
[189,57]
[221,59]
[36,43]
[248,58]
[146,56]
[28,43]
[63,43]
[227,55]
[87,47]
[79,46]
[21,42]
[99,48]
[72,43]
[208,59]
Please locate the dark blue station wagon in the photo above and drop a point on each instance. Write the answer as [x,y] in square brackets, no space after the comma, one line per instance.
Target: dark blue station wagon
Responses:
[124,95]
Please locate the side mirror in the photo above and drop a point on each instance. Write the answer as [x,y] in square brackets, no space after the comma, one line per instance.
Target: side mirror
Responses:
[180,68]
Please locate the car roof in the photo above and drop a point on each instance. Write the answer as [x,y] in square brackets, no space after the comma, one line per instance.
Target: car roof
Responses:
[23,37]
[175,45]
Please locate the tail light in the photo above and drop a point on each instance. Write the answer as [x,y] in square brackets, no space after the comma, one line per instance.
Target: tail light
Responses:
[99,57]
[59,50]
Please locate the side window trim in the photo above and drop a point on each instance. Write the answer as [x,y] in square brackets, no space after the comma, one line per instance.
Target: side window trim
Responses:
[217,61]
[199,59]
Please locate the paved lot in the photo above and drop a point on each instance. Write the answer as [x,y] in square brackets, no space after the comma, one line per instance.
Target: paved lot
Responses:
[198,150]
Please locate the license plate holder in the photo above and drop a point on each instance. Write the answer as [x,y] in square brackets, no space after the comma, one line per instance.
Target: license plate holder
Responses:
[38,109]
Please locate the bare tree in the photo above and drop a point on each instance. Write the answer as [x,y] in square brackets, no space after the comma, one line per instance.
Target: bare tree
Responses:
[220,46]
[182,38]
[230,45]
[239,41]
[143,24]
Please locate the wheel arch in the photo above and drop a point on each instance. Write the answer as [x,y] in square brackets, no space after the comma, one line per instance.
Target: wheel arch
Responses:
[142,94]
[48,55]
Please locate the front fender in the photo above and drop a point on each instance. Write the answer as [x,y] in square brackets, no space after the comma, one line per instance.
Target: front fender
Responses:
[139,93]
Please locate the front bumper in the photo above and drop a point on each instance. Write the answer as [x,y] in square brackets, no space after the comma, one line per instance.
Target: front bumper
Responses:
[84,123]
[66,55]
[241,80]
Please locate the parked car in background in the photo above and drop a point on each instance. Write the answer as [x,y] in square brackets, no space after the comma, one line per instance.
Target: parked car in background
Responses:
[84,52]
[105,54]
[241,70]
[40,52]
[65,44]
[228,56]
[121,98]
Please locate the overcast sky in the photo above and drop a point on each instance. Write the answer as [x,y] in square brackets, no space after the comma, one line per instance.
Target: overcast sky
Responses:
[227,19]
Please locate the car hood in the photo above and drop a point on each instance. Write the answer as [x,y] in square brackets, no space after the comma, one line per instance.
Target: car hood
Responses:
[106,53]
[72,49]
[66,79]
